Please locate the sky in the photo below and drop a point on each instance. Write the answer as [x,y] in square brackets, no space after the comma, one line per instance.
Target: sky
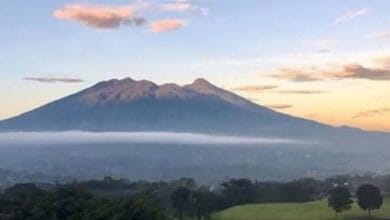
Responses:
[323,60]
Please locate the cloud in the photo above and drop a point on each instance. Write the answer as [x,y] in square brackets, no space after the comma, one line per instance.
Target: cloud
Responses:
[296,75]
[346,71]
[356,71]
[99,16]
[111,17]
[324,50]
[183,6]
[53,80]
[166,25]
[176,6]
[281,107]
[379,35]
[254,88]
[301,92]
[79,137]
[372,113]
[350,15]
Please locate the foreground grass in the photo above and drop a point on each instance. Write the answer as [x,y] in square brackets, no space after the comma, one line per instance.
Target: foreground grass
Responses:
[317,210]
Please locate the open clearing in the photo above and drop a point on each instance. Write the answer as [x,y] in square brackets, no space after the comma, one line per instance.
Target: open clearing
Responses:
[317,210]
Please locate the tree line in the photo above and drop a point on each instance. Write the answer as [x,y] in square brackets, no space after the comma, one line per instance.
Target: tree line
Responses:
[181,199]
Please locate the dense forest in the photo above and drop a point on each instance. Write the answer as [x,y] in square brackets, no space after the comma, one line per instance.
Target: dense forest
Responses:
[183,198]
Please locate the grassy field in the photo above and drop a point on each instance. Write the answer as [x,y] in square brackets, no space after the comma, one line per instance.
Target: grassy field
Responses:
[298,211]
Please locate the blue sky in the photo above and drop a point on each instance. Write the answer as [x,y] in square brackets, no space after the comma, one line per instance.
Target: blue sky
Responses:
[231,43]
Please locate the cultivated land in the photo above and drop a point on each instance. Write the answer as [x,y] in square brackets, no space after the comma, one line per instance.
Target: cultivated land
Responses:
[317,210]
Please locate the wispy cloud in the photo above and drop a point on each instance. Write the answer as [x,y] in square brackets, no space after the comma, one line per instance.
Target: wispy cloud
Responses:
[99,16]
[356,71]
[301,92]
[166,25]
[324,50]
[347,71]
[53,80]
[280,107]
[297,75]
[372,113]
[183,6]
[251,89]
[350,15]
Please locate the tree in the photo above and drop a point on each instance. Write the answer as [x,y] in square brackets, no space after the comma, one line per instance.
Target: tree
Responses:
[340,199]
[202,203]
[369,198]
[66,202]
[180,199]
[184,182]
[19,200]
[238,192]
[141,208]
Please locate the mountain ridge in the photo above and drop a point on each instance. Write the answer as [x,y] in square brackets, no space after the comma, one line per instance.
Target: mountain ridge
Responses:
[128,89]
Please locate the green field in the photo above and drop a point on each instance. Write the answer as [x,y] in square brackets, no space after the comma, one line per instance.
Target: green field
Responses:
[298,211]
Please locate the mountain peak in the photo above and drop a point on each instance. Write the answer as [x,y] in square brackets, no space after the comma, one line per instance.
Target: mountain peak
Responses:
[201,81]
[113,82]
[116,90]
[204,87]
[127,80]
[201,85]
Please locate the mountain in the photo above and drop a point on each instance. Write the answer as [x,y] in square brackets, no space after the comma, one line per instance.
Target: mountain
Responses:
[130,105]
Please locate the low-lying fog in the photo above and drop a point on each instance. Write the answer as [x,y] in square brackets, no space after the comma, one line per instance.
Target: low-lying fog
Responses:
[65,156]
[81,137]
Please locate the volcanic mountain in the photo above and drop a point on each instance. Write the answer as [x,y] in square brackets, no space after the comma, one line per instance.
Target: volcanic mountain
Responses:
[201,107]
[130,105]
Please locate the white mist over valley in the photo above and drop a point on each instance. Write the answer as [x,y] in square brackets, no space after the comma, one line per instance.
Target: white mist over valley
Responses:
[83,137]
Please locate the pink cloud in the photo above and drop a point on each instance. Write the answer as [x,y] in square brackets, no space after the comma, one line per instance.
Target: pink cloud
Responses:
[166,25]
[98,16]
[176,6]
